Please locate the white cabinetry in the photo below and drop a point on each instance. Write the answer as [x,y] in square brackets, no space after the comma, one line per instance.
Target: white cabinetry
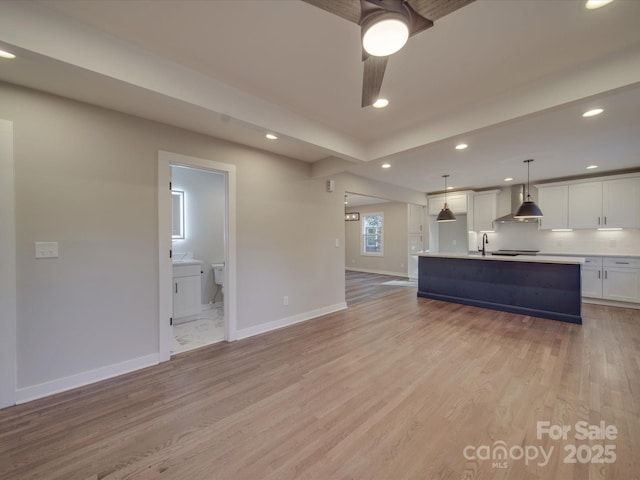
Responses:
[457,203]
[621,203]
[186,289]
[554,203]
[610,203]
[415,218]
[592,277]
[621,279]
[484,211]
[611,278]
[585,205]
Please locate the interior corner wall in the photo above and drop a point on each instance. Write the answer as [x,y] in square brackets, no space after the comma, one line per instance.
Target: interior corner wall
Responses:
[395,241]
[86,177]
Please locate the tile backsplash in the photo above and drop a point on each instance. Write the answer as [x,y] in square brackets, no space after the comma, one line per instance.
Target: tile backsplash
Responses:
[528,237]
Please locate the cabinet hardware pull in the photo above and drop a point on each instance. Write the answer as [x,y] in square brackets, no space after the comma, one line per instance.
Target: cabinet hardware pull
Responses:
[622,263]
[605,219]
[598,220]
[176,287]
[598,273]
[605,274]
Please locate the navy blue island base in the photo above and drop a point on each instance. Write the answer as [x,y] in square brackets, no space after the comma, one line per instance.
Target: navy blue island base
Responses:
[547,290]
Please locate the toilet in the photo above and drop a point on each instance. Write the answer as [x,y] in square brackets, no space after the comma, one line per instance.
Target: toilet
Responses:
[218,278]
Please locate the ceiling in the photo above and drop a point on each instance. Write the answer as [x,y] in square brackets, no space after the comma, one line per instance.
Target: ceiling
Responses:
[510,78]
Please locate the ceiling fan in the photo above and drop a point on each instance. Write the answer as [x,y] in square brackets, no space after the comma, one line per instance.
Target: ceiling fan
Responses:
[400,19]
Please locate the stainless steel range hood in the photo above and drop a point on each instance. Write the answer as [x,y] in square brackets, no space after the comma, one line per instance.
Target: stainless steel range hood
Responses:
[517,196]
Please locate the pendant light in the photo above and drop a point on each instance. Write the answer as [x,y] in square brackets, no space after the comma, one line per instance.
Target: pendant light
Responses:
[445,214]
[528,209]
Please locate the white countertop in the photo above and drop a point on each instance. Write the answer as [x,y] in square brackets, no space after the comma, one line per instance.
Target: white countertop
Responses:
[586,254]
[520,258]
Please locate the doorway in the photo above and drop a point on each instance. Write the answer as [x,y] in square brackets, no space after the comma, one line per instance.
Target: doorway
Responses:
[198,218]
[187,248]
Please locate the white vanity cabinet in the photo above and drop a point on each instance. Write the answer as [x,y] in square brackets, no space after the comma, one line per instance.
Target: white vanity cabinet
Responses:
[186,289]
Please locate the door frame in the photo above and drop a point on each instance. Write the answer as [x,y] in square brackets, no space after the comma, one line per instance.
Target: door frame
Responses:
[165,270]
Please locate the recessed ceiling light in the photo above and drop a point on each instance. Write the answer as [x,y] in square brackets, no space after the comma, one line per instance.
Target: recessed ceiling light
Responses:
[5,54]
[592,4]
[449,188]
[461,146]
[591,167]
[593,113]
[386,165]
[508,179]
[381,103]
[271,136]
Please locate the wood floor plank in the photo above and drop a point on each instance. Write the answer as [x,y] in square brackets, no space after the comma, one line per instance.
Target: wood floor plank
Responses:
[393,387]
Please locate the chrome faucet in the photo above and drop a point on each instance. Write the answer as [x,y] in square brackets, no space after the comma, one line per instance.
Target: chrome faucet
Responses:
[485,240]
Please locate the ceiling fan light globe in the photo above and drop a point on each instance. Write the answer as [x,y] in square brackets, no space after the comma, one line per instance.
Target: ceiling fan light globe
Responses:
[386,36]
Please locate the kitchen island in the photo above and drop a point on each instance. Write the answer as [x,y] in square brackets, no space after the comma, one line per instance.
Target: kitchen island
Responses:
[547,287]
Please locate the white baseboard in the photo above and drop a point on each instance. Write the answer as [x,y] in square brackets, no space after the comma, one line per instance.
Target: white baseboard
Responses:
[610,303]
[285,322]
[58,385]
[378,272]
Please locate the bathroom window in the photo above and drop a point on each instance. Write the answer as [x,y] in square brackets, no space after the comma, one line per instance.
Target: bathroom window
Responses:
[371,242]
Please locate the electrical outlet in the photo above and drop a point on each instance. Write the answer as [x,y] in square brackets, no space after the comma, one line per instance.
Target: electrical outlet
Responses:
[337,242]
[285,300]
[46,249]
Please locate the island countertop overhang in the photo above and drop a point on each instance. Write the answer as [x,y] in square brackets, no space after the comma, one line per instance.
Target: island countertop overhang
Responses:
[518,258]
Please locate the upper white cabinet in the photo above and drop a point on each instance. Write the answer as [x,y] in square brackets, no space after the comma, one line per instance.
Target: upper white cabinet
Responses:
[554,203]
[457,203]
[484,211]
[585,205]
[415,218]
[621,203]
[614,202]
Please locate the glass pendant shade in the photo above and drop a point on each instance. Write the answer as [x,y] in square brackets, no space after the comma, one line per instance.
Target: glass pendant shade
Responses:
[528,209]
[445,214]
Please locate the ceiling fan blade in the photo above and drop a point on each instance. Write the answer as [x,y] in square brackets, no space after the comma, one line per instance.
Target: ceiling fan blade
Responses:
[372,79]
[347,9]
[418,22]
[435,9]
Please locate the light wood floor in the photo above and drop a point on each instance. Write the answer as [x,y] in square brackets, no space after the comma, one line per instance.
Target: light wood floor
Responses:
[392,388]
[364,287]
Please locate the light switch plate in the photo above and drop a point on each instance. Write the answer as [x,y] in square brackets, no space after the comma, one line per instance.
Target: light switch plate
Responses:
[46,249]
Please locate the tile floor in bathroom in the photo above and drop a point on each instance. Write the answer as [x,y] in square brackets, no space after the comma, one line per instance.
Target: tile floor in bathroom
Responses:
[206,329]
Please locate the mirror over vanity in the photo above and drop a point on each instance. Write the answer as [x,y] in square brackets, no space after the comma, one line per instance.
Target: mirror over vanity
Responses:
[177,214]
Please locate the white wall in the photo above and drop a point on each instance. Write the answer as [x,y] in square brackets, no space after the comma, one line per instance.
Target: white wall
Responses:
[395,240]
[204,204]
[86,178]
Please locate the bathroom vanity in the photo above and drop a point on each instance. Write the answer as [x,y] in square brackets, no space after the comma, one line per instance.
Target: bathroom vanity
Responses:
[186,289]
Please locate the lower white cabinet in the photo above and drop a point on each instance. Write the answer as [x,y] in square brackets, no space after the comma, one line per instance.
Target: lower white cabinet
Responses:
[611,278]
[621,280]
[186,290]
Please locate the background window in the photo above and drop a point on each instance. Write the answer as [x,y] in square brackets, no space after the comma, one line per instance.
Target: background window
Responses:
[372,234]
